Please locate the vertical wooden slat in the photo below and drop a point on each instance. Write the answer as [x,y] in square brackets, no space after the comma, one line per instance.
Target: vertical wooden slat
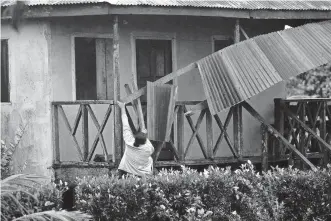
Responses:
[117,112]
[85,132]
[302,116]
[209,134]
[238,130]
[180,132]
[264,148]
[100,46]
[279,125]
[142,125]
[314,108]
[171,112]
[323,133]
[109,69]
[55,133]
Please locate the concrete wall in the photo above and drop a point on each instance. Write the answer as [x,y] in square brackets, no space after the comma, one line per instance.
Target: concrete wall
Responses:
[30,92]
[41,69]
[192,39]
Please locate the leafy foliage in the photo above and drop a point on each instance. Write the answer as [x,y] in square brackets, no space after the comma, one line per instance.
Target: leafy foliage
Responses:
[25,197]
[215,194]
[20,196]
[316,82]
[7,152]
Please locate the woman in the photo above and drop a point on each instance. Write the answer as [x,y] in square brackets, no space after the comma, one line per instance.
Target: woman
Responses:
[137,158]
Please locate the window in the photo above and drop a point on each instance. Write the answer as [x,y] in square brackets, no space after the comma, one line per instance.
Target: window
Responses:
[5,93]
[93,66]
[154,60]
[221,42]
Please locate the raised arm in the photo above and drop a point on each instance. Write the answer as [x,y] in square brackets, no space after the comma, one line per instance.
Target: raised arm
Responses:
[127,132]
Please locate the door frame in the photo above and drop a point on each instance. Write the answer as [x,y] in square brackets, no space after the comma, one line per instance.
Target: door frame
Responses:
[148,35]
[73,55]
[216,38]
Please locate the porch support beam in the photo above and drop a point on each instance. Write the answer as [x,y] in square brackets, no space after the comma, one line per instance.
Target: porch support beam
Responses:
[117,112]
[237,109]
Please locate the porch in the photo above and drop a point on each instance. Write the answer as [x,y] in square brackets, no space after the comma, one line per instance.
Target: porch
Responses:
[300,136]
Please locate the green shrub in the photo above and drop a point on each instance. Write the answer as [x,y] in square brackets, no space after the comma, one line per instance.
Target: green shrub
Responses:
[306,194]
[31,198]
[215,194]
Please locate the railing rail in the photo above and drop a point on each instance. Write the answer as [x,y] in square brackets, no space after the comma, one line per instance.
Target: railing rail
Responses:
[302,131]
[209,149]
[306,123]
[84,152]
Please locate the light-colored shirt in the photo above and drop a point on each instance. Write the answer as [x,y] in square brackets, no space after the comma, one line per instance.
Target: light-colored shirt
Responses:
[135,160]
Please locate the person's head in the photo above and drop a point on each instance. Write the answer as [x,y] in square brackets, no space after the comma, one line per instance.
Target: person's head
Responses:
[140,138]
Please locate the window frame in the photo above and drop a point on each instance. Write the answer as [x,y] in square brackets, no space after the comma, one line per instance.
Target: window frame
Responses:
[73,56]
[153,36]
[217,38]
[9,72]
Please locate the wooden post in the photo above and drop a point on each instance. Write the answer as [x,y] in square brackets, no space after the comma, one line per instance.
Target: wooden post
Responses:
[302,137]
[55,133]
[117,112]
[264,148]
[180,132]
[279,125]
[237,110]
[209,134]
[85,132]
[323,133]
[237,32]
[238,130]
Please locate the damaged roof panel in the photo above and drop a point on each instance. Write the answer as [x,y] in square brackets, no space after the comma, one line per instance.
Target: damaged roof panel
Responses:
[258,63]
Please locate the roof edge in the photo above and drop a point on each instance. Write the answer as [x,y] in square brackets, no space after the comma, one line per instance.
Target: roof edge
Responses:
[105,8]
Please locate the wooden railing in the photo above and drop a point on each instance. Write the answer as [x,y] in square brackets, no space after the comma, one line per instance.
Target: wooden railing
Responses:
[209,150]
[85,152]
[180,145]
[301,133]
[177,144]
[306,124]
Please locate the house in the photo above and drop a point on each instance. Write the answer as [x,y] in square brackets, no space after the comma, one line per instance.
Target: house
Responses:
[71,59]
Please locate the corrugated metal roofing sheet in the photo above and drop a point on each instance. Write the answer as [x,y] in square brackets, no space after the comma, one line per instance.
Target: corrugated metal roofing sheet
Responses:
[226,4]
[243,70]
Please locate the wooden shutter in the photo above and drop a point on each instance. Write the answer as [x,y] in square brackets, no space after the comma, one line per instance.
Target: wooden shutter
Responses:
[104,69]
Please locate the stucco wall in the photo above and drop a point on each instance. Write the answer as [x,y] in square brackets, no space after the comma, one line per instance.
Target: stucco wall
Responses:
[30,94]
[192,41]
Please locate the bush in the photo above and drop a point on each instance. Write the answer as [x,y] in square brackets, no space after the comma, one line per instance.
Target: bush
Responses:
[30,197]
[215,194]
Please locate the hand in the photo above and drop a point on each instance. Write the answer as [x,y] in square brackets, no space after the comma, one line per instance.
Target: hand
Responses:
[121,104]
